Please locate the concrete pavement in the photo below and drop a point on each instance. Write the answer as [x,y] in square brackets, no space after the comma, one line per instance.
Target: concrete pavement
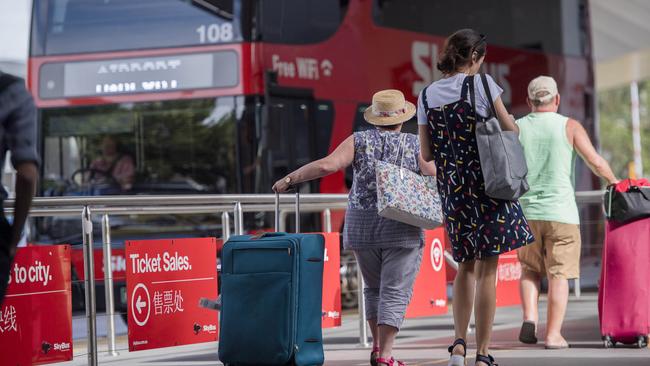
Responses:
[424,342]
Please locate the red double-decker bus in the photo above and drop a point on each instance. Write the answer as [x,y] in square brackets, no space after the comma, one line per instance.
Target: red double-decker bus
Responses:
[226,96]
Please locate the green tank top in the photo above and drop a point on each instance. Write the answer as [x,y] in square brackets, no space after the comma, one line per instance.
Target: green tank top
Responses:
[551,168]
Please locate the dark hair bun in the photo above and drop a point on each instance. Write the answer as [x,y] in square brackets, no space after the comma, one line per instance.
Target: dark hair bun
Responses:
[458,50]
[447,63]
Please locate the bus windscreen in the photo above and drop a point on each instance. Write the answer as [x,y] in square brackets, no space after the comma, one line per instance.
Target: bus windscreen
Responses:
[86,26]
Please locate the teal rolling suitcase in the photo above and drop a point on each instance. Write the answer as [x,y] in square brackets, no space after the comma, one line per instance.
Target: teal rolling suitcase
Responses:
[271,298]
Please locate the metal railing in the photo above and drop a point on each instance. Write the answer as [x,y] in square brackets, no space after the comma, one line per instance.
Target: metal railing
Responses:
[158,205]
[190,204]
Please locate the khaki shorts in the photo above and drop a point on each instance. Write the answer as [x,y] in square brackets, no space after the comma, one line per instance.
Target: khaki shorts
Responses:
[555,252]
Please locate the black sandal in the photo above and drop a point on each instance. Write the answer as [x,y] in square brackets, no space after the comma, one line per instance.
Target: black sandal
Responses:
[488,360]
[457,360]
[527,333]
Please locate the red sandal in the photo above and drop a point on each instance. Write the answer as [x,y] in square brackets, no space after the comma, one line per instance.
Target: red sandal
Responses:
[373,356]
[390,362]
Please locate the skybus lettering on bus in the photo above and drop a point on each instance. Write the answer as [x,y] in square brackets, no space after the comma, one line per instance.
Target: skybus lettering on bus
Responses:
[422,51]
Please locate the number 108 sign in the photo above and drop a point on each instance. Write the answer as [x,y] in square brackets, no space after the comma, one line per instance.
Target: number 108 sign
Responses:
[165,280]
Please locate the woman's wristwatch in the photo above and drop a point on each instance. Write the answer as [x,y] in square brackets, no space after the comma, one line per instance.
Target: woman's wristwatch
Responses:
[287,180]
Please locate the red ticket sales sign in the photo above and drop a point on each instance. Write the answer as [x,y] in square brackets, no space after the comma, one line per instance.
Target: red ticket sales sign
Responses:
[165,280]
[332,281]
[430,288]
[36,314]
[508,276]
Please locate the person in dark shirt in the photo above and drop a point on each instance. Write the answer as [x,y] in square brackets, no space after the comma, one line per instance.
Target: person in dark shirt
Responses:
[18,136]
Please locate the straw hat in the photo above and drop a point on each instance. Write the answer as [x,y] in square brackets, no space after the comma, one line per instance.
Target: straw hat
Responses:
[389,107]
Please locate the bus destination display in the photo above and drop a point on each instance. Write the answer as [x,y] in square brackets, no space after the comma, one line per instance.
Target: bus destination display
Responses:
[138,75]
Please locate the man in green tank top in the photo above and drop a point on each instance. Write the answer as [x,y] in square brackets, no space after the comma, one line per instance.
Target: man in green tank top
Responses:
[551,142]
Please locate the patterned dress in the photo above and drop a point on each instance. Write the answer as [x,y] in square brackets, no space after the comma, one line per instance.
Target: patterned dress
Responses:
[364,228]
[478,226]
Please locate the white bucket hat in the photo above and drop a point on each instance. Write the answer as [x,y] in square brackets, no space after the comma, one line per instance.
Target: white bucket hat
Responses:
[389,107]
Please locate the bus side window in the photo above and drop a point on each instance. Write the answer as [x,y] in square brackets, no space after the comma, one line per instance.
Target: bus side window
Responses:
[300,21]
[549,28]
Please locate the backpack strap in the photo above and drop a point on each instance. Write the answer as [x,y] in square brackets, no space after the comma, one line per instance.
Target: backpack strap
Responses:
[467,87]
[488,94]
[424,97]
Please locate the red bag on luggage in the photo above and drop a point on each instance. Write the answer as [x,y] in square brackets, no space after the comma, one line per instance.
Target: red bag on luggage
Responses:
[624,293]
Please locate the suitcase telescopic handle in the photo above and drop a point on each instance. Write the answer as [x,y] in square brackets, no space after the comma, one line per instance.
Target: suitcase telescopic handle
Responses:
[609,202]
[297,208]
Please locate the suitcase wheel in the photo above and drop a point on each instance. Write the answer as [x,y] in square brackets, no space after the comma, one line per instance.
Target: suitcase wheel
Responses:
[607,342]
[641,342]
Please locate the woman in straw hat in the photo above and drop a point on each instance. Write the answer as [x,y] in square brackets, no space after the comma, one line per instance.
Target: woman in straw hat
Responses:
[480,228]
[388,252]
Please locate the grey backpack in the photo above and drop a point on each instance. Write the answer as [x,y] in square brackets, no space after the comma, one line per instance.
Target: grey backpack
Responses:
[502,157]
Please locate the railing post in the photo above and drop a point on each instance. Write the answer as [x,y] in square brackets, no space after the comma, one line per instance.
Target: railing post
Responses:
[239,218]
[283,221]
[225,226]
[276,216]
[577,289]
[108,285]
[363,327]
[89,273]
[297,210]
[327,220]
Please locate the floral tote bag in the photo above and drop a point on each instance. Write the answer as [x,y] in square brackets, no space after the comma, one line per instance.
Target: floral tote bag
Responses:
[406,196]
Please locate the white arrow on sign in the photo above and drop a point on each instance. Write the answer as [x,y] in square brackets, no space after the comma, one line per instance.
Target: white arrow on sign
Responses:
[139,304]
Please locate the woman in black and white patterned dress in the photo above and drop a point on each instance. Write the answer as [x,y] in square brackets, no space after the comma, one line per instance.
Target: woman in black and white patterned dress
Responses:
[480,228]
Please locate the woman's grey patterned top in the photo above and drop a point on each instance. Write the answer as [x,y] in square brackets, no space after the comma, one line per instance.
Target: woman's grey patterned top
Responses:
[364,228]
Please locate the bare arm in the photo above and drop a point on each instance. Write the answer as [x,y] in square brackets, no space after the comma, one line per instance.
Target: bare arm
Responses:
[425,158]
[339,159]
[425,143]
[581,142]
[26,177]
[426,167]
[506,121]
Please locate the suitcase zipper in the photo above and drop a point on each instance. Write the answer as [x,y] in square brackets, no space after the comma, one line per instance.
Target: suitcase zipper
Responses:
[296,282]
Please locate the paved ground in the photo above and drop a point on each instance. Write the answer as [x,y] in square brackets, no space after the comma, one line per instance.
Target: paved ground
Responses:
[424,342]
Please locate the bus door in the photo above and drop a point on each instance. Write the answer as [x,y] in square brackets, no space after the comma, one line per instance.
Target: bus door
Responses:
[290,139]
